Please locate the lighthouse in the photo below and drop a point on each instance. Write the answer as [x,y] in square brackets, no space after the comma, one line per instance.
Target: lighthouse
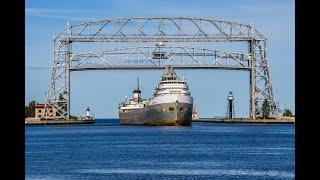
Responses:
[88,113]
[230,108]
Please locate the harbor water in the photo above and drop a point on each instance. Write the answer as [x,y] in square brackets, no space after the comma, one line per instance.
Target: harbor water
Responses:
[107,150]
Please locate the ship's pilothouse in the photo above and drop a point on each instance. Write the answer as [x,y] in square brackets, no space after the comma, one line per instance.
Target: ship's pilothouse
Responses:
[171,84]
[171,89]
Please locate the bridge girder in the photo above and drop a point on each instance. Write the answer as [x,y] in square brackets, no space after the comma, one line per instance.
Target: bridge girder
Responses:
[151,29]
[176,31]
[158,57]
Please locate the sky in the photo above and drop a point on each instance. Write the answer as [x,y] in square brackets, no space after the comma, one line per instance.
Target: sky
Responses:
[104,90]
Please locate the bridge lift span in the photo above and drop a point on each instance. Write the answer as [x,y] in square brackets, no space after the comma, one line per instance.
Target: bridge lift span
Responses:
[154,43]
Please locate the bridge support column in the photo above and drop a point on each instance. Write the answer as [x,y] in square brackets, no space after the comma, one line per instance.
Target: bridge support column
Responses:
[252,104]
[69,53]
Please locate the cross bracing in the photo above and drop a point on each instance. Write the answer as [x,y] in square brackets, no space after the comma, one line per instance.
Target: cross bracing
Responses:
[156,42]
[168,29]
[158,57]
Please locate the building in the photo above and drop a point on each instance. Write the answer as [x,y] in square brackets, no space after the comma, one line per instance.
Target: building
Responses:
[195,113]
[39,110]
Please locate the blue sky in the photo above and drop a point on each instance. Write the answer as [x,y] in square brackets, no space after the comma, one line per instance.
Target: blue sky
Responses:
[104,90]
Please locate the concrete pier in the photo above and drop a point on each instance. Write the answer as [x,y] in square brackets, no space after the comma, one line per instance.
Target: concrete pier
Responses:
[38,121]
[247,120]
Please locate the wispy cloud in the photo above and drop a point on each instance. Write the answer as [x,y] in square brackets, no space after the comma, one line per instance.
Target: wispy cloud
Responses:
[56,10]
[267,7]
[38,67]
[64,17]
[64,14]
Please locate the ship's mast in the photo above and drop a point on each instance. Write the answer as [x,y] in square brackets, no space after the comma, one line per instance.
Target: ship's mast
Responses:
[138,83]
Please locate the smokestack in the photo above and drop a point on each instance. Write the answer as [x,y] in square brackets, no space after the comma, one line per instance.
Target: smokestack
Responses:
[137,93]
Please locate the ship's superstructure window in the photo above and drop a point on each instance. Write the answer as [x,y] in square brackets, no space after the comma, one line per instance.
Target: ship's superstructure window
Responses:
[171,84]
[171,109]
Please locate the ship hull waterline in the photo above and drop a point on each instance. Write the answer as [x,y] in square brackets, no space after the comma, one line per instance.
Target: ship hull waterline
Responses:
[167,114]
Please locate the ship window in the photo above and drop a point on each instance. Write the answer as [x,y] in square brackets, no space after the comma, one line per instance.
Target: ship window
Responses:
[171,108]
[51,110]
[39,111]
[181,109]
[39,115]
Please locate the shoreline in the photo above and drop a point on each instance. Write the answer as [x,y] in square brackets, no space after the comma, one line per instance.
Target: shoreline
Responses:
[37,121]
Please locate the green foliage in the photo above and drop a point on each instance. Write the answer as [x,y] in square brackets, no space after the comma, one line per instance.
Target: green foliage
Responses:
[287,112]
[73,117]
[32,103]
[62,104]
[265,109]
[29,110]
[61,97]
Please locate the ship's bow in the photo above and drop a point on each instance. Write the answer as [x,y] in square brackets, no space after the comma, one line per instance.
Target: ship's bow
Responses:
[184,114]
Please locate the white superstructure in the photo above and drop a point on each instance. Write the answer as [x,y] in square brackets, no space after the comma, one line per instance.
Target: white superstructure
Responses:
[171,89]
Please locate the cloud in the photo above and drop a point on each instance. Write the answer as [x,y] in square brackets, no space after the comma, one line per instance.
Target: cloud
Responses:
[52,13]
[64,17]
[269,8]
[56,10]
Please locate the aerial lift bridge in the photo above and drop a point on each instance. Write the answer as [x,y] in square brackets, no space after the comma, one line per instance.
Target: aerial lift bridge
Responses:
[154,43]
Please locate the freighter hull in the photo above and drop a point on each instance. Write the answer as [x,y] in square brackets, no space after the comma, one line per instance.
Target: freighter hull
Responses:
[167,114]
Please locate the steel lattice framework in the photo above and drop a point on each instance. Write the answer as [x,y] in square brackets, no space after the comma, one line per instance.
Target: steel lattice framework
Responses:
[154,43]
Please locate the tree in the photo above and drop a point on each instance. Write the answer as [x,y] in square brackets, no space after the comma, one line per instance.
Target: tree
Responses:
[265,109]
[32,103]
[73,117]
[62,104]
[26,111]
[287,112]
[29,110]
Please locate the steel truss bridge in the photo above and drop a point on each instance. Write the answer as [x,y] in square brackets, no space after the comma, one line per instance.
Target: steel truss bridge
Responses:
[154,43]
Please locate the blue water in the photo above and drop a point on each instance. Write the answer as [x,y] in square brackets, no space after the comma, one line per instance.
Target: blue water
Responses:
[106,150]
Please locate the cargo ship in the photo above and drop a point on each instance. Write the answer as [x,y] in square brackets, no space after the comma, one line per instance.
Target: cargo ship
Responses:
[170,105]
